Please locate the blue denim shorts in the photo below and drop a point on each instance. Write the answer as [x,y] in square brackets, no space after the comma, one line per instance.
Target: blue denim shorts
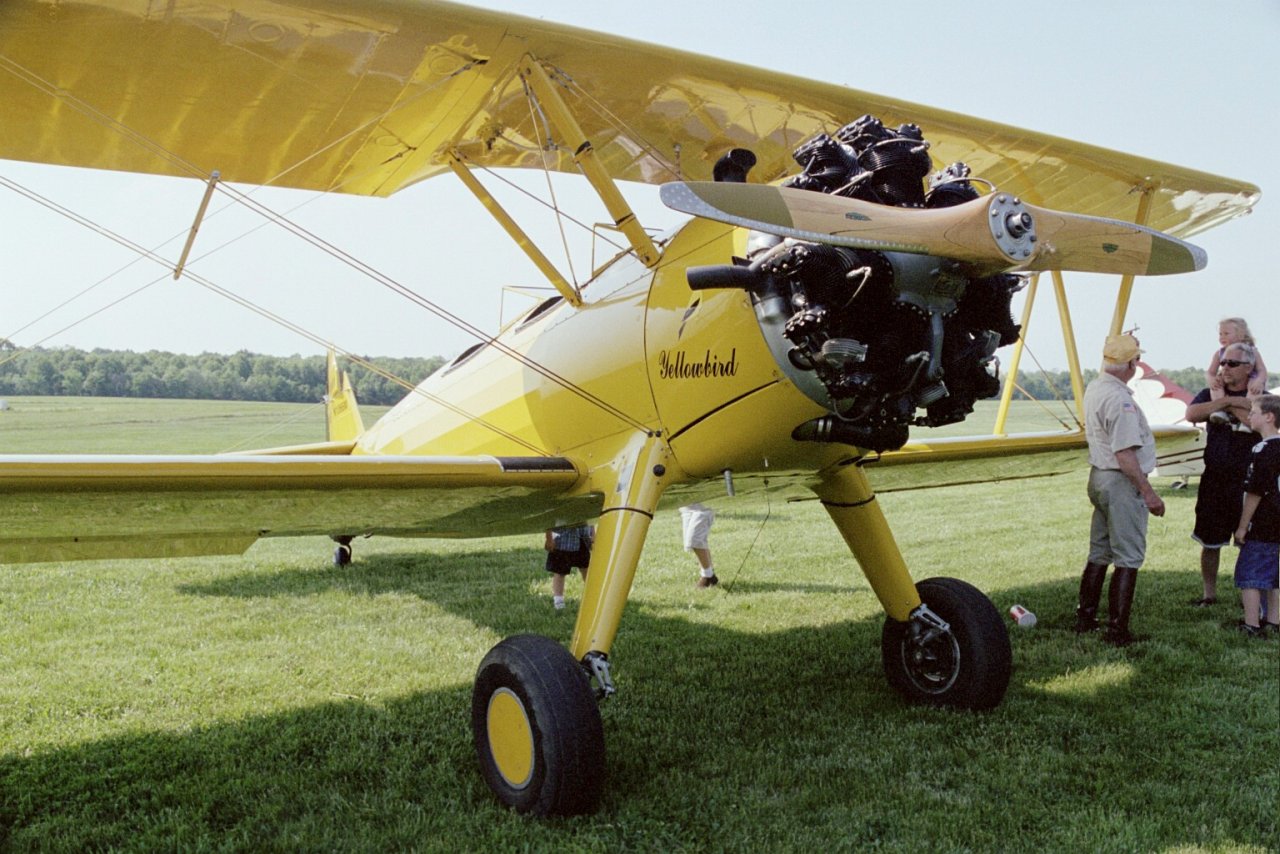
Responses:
[1258,567]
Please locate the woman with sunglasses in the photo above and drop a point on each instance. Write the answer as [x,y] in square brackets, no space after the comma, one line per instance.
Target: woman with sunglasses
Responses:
[1228,444]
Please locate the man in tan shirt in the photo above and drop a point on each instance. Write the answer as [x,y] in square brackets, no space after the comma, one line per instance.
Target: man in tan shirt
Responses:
[1122,451]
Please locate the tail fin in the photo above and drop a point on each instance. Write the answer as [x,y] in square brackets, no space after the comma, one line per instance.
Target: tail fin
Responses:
[342,415]
[1163,401]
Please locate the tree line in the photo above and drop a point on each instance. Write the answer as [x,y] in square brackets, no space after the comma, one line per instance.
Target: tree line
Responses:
[208,376]
[1053,385]
[301,379]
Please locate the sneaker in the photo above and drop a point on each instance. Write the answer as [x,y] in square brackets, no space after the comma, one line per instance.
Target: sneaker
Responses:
[1219,417]
[707,581]
[1251,631]
[1204,602]
[1271,629]
[558,604]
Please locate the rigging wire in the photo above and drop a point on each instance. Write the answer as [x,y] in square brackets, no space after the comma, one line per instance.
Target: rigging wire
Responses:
[1071,414]
[431,306]
[612,119]
[246,199]
[539,122]
[574,220]
[85,109]
[303,412]
[263,312]
[768,513]
[66,302]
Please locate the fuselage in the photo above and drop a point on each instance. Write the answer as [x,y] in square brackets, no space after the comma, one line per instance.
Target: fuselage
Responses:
[644,353]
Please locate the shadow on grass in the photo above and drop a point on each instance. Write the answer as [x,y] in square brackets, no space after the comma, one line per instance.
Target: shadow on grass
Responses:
[719,739]
[488,587]
[352,776]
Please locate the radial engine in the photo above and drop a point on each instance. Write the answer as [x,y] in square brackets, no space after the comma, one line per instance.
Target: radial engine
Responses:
[884,340]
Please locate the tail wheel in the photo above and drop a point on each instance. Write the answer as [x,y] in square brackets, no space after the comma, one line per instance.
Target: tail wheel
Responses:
[966,666]
[537,728]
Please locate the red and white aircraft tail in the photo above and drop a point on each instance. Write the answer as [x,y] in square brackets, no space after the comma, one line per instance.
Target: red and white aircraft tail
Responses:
[1165,402]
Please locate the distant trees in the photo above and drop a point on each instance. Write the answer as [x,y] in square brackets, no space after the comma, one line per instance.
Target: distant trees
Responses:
[1047,385]
[298,379]
[208,376]
[1051,385]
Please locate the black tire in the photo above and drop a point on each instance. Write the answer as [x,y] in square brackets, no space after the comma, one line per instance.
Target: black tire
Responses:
[967,667]
[537,728]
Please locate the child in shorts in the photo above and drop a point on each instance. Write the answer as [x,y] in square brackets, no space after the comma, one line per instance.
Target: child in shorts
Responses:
[1258,534]
[695,523]
[567,549]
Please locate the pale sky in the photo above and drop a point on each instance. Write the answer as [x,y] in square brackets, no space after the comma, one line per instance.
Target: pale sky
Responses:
[1181,81]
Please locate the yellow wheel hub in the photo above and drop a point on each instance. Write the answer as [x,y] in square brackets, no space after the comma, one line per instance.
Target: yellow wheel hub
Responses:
[510,738]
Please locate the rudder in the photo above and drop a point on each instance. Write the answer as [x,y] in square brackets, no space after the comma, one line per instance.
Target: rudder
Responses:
[342,414]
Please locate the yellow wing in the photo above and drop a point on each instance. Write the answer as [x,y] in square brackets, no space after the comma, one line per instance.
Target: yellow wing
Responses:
[369,96]
[83,507]
[982,459]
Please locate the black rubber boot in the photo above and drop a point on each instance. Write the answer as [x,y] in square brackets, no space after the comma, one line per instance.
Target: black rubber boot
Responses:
[1119,604]
[1090,592]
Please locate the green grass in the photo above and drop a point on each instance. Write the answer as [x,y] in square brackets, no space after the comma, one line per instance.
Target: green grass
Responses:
[118,425]
[273,702]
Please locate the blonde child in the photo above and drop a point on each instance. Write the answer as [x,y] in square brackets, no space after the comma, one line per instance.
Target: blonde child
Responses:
[1234,330]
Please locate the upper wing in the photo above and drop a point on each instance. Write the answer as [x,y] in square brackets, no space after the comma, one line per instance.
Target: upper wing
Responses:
[369,96]
[78,507]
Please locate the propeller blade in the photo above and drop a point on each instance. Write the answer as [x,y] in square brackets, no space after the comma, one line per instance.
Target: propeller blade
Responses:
[993,233]
[1096,245]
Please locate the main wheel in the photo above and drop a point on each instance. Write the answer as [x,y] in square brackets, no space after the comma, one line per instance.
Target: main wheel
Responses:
[537,728]
[967,667]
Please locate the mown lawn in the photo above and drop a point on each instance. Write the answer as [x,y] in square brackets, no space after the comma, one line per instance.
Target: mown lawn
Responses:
[273,702]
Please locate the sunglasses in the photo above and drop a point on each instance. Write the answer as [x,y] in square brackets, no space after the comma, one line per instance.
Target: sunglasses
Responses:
[1234,363]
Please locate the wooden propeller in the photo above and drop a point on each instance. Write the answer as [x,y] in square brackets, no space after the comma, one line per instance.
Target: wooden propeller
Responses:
[993,233]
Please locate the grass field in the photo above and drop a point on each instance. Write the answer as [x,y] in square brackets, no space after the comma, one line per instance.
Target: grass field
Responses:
[273,702]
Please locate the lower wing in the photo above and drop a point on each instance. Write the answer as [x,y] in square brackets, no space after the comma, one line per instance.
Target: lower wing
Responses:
[56,508]
[956,461]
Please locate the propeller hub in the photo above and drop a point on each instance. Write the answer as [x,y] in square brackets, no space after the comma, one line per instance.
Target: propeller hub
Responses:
[1012,226]
[1018,224]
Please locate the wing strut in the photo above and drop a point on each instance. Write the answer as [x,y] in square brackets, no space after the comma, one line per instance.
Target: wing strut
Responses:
[624,218]
[1069,343]
[522,239]
[1015,361]
[195,226]
[1126,282]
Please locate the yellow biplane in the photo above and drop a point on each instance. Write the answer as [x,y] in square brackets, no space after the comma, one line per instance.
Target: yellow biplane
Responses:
[846,276]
